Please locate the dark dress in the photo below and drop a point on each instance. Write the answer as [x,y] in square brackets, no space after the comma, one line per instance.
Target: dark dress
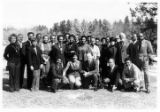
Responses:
[12,55]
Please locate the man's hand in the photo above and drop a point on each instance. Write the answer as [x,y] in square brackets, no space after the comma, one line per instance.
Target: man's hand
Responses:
[32,68]
[85,74]
[127,79]
[41,66]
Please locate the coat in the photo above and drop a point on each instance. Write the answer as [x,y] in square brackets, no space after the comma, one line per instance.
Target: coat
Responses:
[35,59]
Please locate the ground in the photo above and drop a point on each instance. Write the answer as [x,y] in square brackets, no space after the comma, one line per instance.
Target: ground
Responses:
[82,98]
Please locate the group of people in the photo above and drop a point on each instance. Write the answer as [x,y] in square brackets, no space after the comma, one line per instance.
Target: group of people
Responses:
[78,62]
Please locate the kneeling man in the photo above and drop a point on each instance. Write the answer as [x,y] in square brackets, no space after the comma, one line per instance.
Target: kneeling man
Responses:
[90,72]
[112,76]
[132,76]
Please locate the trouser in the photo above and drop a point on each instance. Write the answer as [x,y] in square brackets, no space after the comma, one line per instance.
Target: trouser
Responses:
[88,80]
[110,82]
[22,68]
[57,83]
[29,77]
[134,84]
[144,65]
[14,76]
[36,78]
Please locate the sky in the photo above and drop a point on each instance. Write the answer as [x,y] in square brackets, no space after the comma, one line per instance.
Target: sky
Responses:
[28,13]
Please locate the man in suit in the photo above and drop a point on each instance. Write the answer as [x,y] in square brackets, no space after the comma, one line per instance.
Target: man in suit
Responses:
[35,64]
[25,50]
[132,76]
[58,50]
[90,72]
[132,49]
[112,76]
[145,53]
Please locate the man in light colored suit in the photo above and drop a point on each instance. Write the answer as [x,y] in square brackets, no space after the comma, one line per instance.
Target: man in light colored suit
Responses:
[131,76]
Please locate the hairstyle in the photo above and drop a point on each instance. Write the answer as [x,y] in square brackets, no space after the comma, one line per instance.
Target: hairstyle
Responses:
[83,36]
[12,35]
[45,36]
[30,33]
[59,37]
[112,39]
[103,39]
[72,36]
[97,39]
[38,34]
[19,35]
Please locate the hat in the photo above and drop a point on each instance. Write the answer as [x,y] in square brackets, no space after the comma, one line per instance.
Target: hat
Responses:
[112,39]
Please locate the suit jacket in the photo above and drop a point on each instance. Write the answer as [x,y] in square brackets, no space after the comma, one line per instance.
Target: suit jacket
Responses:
[121,52]
[112,74]
[57,52]
[132,51]
[25,49]
[35,59]
[112,52]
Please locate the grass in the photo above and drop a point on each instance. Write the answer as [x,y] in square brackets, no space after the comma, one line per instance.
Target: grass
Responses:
[82,98]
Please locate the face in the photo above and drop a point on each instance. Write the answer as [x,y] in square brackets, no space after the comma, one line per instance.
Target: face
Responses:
[134,38]
[30,36]
[59,60]
[60,39]
[34,43]
[39,36]
[97,41]
[83,40]
[118,39]
[141,37]
[20,38]
[89,57]
[103,41]
[71,39]
[111,62]
[74,57]
[112,42]
[128,63]
[53,38]
[13,39]
[45,39]
[93,41]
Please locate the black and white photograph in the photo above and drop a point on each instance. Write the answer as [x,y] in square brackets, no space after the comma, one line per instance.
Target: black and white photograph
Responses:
[79,54]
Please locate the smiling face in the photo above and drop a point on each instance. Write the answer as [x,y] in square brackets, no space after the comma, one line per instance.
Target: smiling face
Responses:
[13,39]
[45,39]
[20,38]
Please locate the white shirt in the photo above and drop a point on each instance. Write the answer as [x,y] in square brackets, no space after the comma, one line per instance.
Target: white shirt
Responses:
[95,50]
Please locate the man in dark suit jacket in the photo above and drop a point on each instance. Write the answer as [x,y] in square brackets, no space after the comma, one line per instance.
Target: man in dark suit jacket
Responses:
[35,63]
[132,49]
[25,50]
[112,77]
[58,49]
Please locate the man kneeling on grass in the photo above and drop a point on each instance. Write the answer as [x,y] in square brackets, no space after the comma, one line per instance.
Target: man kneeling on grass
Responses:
[57,75]
[112,77]
[132,76]
[90,72]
